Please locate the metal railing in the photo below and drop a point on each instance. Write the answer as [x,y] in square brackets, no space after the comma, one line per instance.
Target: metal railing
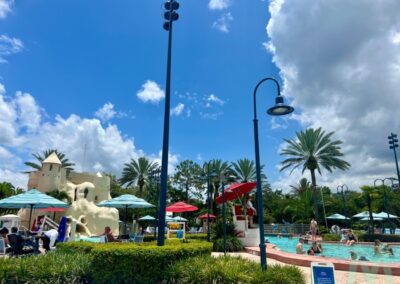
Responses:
[287,229]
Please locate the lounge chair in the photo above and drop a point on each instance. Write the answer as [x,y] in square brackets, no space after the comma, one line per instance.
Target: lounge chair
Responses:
[200,230]
[138,238]
[103,239]
[192,230]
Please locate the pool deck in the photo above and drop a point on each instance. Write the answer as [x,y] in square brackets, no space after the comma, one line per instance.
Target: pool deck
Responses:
[340,264]
[341,277]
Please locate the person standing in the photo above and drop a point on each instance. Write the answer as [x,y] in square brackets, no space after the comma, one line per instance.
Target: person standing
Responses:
[313,229]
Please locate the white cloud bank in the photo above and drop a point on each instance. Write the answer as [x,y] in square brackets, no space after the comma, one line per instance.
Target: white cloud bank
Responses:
[340,62]
[24,130]
[219,4]
[9,46]
[5,8]
[150,92]
[223,23]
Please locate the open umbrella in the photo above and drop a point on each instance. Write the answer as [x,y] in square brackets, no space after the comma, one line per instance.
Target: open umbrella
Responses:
[367,219]
[384,215]
[365,214]
[337,217]
[181,207]
[204,216]
[125,201]
[33,199]
[180,219]
[235,191]
[147,218]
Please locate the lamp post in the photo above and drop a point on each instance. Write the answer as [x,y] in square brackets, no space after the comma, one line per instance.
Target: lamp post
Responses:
[279,109]
[222,178]
[203,177]
[155,177]
[170,16]
[343,189]
[384,194]
[393,142]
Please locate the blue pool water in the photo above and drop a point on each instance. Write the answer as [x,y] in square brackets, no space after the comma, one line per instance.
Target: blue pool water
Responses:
[88,239]
[339,251]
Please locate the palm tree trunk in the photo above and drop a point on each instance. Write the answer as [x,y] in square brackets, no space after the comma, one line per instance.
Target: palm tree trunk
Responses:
[314,195]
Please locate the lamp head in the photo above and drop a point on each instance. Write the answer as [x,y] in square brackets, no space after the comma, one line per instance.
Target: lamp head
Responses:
[280,107]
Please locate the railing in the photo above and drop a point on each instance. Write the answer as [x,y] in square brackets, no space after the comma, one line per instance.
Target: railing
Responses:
[287,228]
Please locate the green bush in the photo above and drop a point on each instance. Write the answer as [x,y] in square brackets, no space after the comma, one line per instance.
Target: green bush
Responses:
[382,238]
[54,267]
[232,244]
[141,263]
[150,238]
[331,237]
[217,230]
[206,269]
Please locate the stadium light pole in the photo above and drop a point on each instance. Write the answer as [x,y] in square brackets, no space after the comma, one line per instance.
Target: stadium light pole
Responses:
[393,144]
[279,109]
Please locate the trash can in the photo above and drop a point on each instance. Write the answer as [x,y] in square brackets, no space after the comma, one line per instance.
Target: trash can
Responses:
[179,234]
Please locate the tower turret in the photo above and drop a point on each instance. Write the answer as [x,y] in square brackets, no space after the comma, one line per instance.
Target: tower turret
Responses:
[51,173]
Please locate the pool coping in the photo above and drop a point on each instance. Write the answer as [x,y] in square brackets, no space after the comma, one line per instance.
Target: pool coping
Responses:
[339,264]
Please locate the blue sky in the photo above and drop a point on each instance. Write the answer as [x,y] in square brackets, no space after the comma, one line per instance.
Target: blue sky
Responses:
[78,68]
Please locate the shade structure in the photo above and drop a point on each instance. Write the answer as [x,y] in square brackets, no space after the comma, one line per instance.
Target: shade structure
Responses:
[147,218]
[367,219]
[124,202]
[384,215]
[337,216]
[204,216]
[180,219]
[365,214]
[169,219]
[235,191]
[181,207]
[33,199]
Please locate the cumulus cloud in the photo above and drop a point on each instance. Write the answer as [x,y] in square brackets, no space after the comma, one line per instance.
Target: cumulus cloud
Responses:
[106,112]
[150,92]
[5,8]
[223,23]
[8,46]
[177,111]
[214,99]
[206,106]
[219,4]
[341,68]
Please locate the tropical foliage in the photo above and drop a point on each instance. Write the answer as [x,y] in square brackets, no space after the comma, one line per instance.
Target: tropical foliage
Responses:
[65,163]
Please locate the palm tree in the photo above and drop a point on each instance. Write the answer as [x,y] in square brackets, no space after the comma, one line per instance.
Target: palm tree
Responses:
[312,150]
[41,157]
[218,167]
[137,172]
[244,170]
[186,176]
[370,193]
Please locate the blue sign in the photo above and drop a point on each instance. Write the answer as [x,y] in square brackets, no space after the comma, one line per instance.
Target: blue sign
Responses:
[323,275]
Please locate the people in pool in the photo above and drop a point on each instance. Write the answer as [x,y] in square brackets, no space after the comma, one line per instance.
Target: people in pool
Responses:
[299,247]
[351,238]
[377,249]
[315,249]
[353,255]
[390,252]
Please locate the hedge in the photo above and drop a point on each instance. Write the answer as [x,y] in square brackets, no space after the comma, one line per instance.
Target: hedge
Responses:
[382,238]
[206,269]
[331,237]
[150,238]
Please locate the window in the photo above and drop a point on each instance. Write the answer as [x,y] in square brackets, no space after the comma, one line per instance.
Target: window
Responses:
[51,167]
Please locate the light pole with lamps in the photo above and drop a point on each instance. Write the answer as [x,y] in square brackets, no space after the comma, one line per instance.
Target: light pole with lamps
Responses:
[155,177]
[384,194]
[343,189]
[170,16]
[279,109]
[393,144]
[212,175]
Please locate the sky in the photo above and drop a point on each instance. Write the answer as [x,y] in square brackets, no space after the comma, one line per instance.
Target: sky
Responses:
[88,78]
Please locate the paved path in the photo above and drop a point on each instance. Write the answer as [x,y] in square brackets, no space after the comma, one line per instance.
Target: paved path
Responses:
[341,277]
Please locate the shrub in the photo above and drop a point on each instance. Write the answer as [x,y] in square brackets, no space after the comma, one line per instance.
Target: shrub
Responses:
[206,269]
[141,263]
[331,237]
[54,267]
[232,244]
[382,238]
[76,247]
[217,230]
[150,238]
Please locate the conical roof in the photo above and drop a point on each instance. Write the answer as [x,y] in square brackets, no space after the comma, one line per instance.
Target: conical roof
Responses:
[52,159]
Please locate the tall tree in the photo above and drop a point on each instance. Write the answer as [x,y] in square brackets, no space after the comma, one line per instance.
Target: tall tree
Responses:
[186,176]
[7,189]
[312,150]
[137,172]
[244,170]
[219,167]
[65,163]
[370,193]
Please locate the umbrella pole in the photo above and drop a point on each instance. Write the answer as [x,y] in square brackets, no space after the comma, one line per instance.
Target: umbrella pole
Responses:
[30,217]
[126,212]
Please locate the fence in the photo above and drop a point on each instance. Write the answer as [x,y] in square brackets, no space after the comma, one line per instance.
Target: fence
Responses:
[287,228]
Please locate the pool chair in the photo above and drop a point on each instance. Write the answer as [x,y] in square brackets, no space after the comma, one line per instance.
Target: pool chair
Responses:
[192,230]
[200,230]
[138,238]
[237,213]
[17,245]
[2,247]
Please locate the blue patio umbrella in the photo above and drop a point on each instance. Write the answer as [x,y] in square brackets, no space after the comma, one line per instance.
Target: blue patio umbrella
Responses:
[337,216]
[33,199]
[125,201]
[147,218]
[180,219]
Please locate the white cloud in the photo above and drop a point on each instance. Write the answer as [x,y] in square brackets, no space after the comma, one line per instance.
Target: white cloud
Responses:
[223,23]
[29,113]
[8,46]
[150,92]
[219,4]
[178,109]
[2,89]
[343,75]
[207,106]
[106,112]
[5,8]
[173,160]
[214,99]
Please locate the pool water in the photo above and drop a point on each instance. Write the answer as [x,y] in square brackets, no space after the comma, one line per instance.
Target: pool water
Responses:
[339,251]
[88,239]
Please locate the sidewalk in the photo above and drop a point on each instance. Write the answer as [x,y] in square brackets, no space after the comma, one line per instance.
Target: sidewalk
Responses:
[341,277]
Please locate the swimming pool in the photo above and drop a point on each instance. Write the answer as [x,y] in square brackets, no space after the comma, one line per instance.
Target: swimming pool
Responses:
[88,239]
[338,251]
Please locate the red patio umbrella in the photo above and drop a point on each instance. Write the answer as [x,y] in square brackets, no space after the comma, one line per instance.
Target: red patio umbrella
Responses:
[204,216]
[181,207]
[235,191]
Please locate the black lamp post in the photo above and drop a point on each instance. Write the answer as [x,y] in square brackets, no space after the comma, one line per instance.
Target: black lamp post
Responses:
[279,109]
[393,142]
[344,189]
[384,194]
[209,176]
[155,177]
[222,178]
[170,16]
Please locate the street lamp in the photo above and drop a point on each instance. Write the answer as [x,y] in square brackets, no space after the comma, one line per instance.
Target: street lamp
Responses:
[344,189]
[384,194]
[170,16]
[155,177]
[393,142]
[279,109]
[211,175]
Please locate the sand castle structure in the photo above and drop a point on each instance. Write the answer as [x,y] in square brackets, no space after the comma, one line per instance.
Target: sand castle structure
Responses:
[85,190]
